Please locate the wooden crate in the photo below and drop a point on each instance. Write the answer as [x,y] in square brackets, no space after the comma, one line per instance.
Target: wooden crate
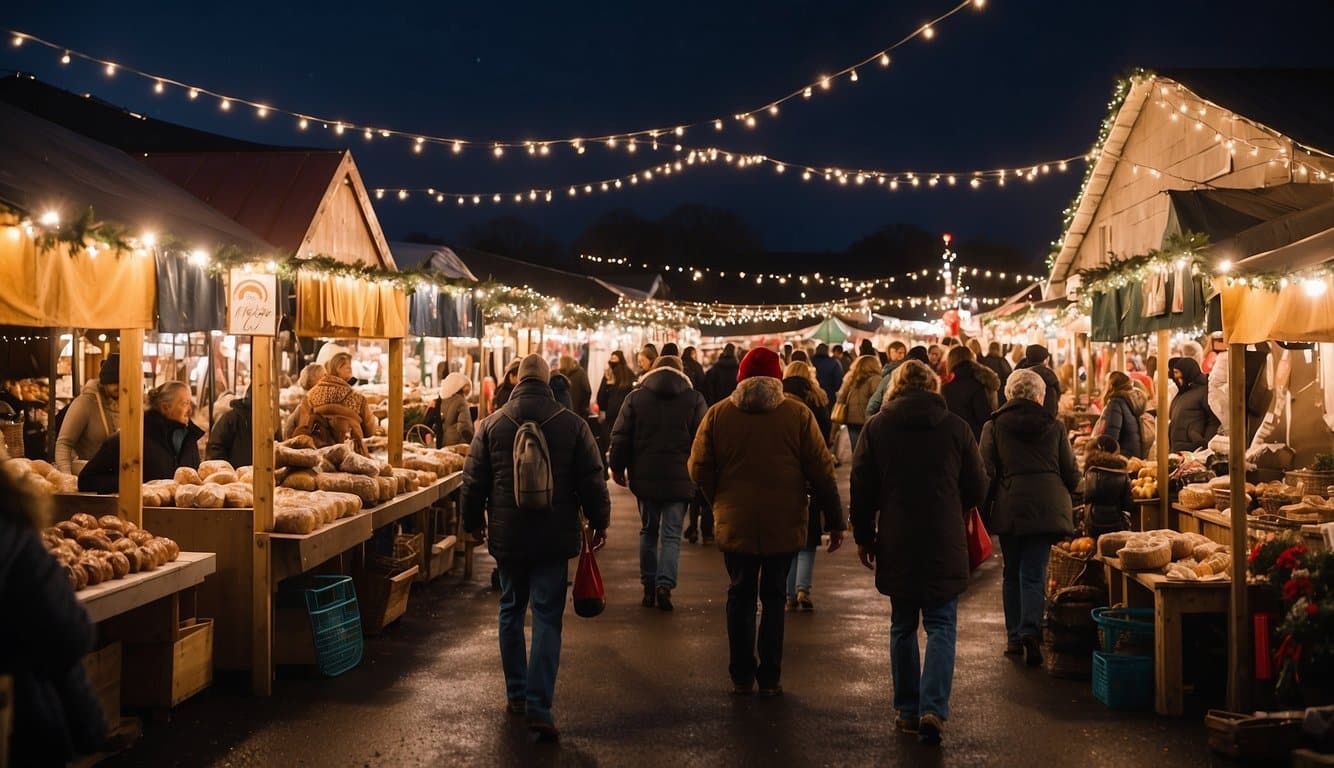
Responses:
[1243,737]
[162,675]
[384,598]
[441,559]
[103,668]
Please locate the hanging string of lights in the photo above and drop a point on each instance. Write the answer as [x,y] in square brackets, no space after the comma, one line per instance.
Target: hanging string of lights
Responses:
[681,313]
[890,180]
[630,140]
[812,278]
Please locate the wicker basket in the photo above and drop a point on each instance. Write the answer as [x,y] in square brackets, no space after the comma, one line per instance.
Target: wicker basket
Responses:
[1064,570]
[1315,483]
[1272,502]
[13,432]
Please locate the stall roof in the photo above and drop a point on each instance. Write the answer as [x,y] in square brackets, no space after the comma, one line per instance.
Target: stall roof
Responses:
[1291,101]
[1312,245]
[440,259]
[44,166]
[568,286]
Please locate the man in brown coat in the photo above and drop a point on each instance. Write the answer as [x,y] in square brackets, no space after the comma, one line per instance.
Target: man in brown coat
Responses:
[756,456]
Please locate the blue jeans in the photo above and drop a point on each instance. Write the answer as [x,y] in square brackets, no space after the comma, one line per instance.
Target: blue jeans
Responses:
[922,688]
[660,542]
[532,677]
[1024,584]
[800,574]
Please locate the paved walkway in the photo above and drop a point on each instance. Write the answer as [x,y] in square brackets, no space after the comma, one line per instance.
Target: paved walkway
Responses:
[640,687]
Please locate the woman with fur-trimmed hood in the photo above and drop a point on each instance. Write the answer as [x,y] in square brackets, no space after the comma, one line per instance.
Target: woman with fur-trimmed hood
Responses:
[1106,488]
[971,389]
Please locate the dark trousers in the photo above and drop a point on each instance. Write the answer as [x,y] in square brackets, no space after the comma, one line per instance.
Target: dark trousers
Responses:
[765,578]
[701,516]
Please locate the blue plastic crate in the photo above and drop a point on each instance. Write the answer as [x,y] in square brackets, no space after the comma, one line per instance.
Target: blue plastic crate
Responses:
[335,623]
[1133,626]
[1123,682]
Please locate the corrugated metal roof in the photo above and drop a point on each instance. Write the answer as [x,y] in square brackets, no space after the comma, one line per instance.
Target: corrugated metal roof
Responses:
[276,195]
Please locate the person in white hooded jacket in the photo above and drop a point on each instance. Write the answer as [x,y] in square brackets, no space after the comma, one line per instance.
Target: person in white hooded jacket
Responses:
[449,417]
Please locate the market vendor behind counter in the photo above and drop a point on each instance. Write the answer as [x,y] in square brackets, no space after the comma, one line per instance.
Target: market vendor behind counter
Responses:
[171,441]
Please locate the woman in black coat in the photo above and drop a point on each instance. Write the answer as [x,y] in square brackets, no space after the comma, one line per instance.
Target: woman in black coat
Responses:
[171,441]
[1028,455]
[1122,407]
[971,389]
[1192,423]
[799,382]
[1107,494]
[915,473]
[42,642]
[617,383]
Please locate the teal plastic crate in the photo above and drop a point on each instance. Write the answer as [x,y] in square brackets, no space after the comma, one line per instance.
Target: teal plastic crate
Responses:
[1131,627]
[1123,682]
[335,623]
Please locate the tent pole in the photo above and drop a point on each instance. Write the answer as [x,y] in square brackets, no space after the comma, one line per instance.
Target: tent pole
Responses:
[1239,631]
[1164,410]
[396,402]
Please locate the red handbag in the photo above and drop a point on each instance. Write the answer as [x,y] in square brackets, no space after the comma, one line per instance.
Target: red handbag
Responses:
[979,540]
[589,597]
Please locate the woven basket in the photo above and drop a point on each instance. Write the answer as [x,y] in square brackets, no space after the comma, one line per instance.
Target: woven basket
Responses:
[1315,483]
[1064,570]
[13,438]
[1272,502]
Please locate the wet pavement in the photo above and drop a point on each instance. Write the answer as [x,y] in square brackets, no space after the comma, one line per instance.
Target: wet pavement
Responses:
[641,687]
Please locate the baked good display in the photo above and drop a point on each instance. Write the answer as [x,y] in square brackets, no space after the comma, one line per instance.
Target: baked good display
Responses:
[89,555]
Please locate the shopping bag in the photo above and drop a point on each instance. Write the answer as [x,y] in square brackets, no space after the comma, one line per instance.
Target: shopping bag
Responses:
[979,540]
[589,597]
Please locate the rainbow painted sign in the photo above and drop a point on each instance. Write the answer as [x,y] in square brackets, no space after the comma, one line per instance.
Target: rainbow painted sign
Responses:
[252,308]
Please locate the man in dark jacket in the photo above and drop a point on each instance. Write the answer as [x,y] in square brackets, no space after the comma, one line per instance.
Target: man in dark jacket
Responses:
[231,438]
[999,366]
[171,441]
[916,471]
[1191,424]
[1036,357]
[828,372]
[533,548]
[42,643]
[720,381]
[652,439]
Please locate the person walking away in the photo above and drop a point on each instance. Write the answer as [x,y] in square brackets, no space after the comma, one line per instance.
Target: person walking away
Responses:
[1107,498]
[858,385]
[690,364]
[844,361]
[721,380]
[507,384]
[999,366]
[56,713]
[533,547]
[171,441]
[449,417]
[1038,360]
[1122,407]
[1191,423]
[1026,450]
[915,473]
[581,390]
[798,384]
[90,419]
[647,354]
[651,441]
[971,391]
[617,381]
[877,400]
[828,374]
[754,457]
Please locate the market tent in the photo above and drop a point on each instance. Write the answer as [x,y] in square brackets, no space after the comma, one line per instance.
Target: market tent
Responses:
[1301,310]
[45,167]
[831,331]
[431,311]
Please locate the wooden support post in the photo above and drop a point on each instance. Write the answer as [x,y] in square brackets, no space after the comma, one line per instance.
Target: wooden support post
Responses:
[1164,409]
[261,607]
[129,501]
[396,402]
[1073,358]
[1239,625]
[261,395]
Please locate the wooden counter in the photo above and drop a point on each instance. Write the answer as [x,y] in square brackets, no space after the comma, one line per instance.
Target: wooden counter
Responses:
[298,553]
[1218,527]
[118,596]
[410,503]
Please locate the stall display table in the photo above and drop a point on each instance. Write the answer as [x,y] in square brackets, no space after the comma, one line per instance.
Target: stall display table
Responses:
[1218,527]
[113,598]
[1170,600]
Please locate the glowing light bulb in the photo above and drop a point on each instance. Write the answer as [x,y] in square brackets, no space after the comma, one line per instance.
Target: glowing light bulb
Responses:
[806,92]
[853,76]
[495,198]
[158,87]
[18,40]
[824,83]
[498,151]
[111,69]
[148,239]
[65,59]
[226,104]
[928,32]
[194,93]
[402,194]
[304,124]
[750,121]
[49,219]
[262,111]
[198,258]
[780,168]
[884,59]
[773,109]
[717,125]
[1314,287]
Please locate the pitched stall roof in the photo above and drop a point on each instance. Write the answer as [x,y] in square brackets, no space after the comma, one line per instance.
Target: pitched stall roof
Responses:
[437,258]
[568,286]
[44,166]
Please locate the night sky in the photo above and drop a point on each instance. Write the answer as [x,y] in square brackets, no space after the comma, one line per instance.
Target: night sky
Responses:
[1019,82]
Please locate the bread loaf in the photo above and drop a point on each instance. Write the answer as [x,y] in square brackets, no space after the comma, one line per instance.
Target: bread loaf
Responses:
[388,488]
[147,559]
[187,495]
[120,565]
[89,540]
[293,520]
[92,570]
[1110,543]
[187,476]
[245,475]
[1145,557]
[207,468]
[300,442]
[300,480]
[210,496]
[111,523]
[124,545]
[42,468]
[84,520]
[64,483]
[335,453]
[1204,549]
[140,537]
[459,448]
[222,477]
[238,496]
[357,464]
[284,456]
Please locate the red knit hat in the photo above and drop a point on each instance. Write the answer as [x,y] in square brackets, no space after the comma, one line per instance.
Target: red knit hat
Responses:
[760,361]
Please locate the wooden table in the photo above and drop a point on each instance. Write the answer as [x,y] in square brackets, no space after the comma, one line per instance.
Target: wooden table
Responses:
[1218,526]
[1171,601]
[118,596]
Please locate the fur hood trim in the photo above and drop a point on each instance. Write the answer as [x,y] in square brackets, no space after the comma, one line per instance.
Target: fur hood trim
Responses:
[758,394]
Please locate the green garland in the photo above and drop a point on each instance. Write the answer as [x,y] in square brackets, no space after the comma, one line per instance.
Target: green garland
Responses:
[1189,246]
[1119,95]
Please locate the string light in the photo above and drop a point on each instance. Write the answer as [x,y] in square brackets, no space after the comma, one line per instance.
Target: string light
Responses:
[926,32]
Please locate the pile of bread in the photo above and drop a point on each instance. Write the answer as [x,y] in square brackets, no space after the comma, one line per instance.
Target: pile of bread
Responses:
[442,461]
[1184,556]
[338,468]
[93,550]
[42,477]
[216,484]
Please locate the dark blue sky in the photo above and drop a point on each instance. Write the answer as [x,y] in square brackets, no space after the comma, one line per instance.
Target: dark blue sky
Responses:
[1024,80]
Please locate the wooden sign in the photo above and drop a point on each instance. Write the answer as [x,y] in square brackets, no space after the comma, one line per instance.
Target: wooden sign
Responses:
[252,304]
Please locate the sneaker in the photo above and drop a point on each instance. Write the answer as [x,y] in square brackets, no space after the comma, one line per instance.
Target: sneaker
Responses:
[929,729]
[517,707]
[649,598]
[1014,648]
[1032,651]
[546,732]
[692,534]
[664,595]
[743,689]
[906,723]
[804,601]
[769,692]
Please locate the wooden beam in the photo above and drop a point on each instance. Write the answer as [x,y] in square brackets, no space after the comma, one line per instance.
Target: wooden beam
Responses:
[129,501]
[261,612]
[261,437]
[1239,625]
[396,402]
[1164,410]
